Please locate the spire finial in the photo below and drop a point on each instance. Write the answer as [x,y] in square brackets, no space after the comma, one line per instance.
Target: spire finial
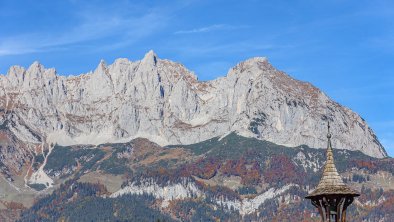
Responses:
[328,134]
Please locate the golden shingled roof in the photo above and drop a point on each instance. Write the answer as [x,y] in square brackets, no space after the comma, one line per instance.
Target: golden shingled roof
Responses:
[331,183]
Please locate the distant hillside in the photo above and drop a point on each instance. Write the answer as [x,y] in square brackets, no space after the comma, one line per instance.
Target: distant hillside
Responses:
[229,179]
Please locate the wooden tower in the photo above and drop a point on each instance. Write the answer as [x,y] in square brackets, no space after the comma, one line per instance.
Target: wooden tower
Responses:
[331,196]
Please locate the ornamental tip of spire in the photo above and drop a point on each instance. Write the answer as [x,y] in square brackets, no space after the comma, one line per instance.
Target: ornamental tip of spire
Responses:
[329,133]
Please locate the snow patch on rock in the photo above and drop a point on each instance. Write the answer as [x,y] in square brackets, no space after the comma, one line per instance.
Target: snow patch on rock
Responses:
[187,189]
[39,176]
[312,163]
[167,193]
[248,206]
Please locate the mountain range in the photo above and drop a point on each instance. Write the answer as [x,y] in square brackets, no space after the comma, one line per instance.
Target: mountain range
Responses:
[164,102]
[246,146]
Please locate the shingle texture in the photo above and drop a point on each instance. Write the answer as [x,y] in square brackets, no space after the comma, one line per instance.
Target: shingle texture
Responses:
[331,183]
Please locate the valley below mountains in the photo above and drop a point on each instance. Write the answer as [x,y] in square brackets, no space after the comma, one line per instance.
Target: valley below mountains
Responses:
[147,141]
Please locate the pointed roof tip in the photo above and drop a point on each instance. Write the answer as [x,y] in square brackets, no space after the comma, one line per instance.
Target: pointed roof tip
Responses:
[331,182]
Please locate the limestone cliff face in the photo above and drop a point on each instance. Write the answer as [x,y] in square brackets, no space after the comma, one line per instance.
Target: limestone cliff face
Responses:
[165,103]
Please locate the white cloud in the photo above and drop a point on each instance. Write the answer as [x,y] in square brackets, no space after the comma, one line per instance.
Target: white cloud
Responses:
[210,28]
[213,49]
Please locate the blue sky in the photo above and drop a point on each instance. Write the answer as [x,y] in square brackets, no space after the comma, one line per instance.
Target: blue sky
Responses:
[346,48]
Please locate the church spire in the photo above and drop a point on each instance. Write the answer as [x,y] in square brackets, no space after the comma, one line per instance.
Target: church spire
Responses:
[331,195]
[330,176]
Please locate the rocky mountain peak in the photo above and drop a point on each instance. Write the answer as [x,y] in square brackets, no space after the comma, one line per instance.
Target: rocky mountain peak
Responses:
[164,102]
[101,67]
[257,60]
[15,75]
[253,66]
[35,70]
[150,59]
[102,63]
[14,70]
[36,65]
[121,61]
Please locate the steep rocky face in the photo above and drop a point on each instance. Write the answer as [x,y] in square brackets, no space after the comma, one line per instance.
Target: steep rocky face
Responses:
[164,102]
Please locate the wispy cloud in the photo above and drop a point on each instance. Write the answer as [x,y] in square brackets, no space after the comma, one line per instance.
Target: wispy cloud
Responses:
[210,28]
[213,49]
[125,29]
[15,48]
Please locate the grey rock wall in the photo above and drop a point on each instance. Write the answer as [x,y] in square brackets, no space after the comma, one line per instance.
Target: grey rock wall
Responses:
[164,102]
